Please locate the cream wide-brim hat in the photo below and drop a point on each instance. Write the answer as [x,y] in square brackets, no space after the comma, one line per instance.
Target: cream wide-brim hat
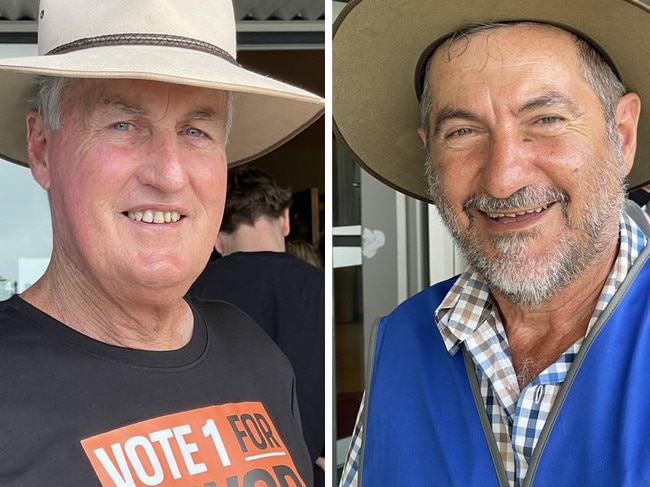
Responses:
[177,42]
[377,44]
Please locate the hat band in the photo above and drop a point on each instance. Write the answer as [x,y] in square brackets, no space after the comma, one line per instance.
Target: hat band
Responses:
[143,40]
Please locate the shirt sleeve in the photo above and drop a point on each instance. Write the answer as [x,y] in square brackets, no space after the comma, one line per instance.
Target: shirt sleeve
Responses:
[349,477]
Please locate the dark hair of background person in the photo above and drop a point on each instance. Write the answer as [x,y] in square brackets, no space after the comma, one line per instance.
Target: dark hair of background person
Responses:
[251,195]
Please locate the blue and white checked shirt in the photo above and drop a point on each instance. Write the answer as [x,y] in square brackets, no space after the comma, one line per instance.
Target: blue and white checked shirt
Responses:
[468,317]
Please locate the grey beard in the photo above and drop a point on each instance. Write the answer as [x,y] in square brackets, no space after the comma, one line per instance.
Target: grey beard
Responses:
[523,281]
[530,282]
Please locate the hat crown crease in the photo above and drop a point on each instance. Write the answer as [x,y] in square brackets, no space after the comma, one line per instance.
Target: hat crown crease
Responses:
[63,22]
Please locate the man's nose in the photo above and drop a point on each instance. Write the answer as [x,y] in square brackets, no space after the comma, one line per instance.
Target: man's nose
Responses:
[165,164]
[509,164]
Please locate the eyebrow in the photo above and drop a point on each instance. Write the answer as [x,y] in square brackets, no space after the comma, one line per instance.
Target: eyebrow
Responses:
[550,99]
[451,113]
[203,114]
[124,107]
[206,114]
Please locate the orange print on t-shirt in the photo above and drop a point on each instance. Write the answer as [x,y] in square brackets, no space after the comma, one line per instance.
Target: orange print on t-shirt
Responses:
[231,445]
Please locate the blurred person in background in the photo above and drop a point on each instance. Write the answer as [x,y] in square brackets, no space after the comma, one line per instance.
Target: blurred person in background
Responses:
[280,291]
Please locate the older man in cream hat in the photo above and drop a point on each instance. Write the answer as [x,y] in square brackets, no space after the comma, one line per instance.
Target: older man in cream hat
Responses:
[530,368]
[109,377]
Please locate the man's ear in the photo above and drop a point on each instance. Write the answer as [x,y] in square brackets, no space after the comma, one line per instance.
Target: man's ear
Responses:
[423,135]
[37,140]
[285,222]
[218,244]
[627,119]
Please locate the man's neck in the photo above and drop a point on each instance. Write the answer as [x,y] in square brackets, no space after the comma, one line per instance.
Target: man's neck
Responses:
[132,323]
[538,335]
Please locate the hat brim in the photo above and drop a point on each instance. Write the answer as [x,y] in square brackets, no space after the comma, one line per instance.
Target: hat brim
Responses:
[267,112]
[377,44]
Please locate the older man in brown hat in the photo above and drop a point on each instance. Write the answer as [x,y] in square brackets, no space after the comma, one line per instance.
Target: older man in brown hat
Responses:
[530,367]
[109,377]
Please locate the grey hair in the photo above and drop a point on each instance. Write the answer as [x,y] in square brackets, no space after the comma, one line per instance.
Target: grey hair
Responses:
[595,70]
[50,92]
[48,99]
[600,76]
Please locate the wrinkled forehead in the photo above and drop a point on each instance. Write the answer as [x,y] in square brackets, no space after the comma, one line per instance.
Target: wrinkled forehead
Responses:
[455,43]
[140,88]
[143,97]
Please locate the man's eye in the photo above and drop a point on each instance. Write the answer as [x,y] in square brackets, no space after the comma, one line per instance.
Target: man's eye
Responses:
[549,119]
[193,132]
[461,132]
[122,126]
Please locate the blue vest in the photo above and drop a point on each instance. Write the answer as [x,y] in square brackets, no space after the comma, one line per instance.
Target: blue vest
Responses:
[425,423]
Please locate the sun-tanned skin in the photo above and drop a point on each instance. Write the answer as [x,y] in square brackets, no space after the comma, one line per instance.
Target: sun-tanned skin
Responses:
[506,126]
[130,151]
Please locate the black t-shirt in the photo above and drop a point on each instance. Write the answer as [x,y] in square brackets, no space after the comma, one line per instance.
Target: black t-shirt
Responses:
[219,411]
[286,296]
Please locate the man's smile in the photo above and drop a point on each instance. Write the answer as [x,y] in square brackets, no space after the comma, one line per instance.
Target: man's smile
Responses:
[154,216]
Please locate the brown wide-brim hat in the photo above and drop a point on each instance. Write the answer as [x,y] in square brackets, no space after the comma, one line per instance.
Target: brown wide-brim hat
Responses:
[176,42]
[377,44]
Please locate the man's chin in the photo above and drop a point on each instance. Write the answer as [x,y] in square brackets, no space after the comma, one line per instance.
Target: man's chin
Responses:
[523,278]
[524,292]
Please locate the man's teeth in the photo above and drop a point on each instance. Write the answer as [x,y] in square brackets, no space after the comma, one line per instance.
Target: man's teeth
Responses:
[151,216]
[521,213]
